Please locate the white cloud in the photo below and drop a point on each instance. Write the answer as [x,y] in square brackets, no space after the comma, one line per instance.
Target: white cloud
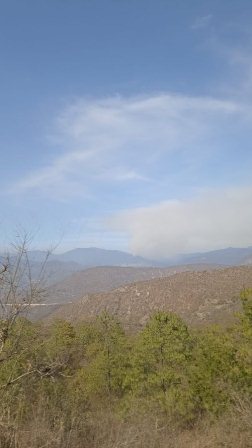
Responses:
[213,220]
[119,139]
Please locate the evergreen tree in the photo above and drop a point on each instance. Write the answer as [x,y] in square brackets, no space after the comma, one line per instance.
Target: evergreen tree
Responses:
[161,359]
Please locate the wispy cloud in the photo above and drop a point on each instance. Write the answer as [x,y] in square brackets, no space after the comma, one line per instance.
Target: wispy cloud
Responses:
[202,22]
[212,220]
[120,139]
[230,45]
[239,60]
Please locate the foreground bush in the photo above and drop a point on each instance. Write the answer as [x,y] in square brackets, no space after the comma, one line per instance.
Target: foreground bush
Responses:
[94,386]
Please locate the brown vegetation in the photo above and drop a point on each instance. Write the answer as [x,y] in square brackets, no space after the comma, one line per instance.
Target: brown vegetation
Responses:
[105,430]
[107,278]
[210,296]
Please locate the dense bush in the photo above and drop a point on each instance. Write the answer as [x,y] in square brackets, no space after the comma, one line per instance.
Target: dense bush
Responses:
[69,385]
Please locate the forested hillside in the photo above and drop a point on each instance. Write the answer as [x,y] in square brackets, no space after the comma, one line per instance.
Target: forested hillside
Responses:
[93,385]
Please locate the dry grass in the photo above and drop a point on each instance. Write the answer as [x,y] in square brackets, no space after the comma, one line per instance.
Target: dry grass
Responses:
[105,430]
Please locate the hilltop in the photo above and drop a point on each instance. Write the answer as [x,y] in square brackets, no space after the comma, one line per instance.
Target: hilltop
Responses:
[210,296]
[107,278]
[98,280]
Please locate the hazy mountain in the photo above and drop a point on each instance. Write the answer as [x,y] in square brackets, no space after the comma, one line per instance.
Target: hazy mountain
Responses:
[92,256]
[101,257]
[53,271]
[49,271]
[230,256]
[59,266]
[56,267]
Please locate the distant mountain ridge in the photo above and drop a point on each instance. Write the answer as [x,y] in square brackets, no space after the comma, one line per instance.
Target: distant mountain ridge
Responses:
[93,257]
[60,266]
[230,256]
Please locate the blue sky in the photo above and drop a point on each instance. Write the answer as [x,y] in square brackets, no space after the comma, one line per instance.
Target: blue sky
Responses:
[127,123]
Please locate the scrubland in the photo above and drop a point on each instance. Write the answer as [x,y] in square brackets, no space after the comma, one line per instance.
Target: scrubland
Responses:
[92,385]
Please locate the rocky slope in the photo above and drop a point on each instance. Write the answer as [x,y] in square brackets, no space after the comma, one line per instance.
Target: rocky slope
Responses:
[199,297]
[104,279]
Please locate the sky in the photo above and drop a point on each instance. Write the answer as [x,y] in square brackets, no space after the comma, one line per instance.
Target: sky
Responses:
[126,124]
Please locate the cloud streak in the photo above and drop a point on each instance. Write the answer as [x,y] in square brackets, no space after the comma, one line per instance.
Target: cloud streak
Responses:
[120,139]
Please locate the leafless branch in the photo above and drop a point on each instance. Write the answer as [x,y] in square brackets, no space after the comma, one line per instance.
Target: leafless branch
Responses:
[18,290]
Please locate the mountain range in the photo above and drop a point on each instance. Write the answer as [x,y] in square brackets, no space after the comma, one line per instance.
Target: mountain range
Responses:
[230,256]
[98,274]
[92,256]
[59,266]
